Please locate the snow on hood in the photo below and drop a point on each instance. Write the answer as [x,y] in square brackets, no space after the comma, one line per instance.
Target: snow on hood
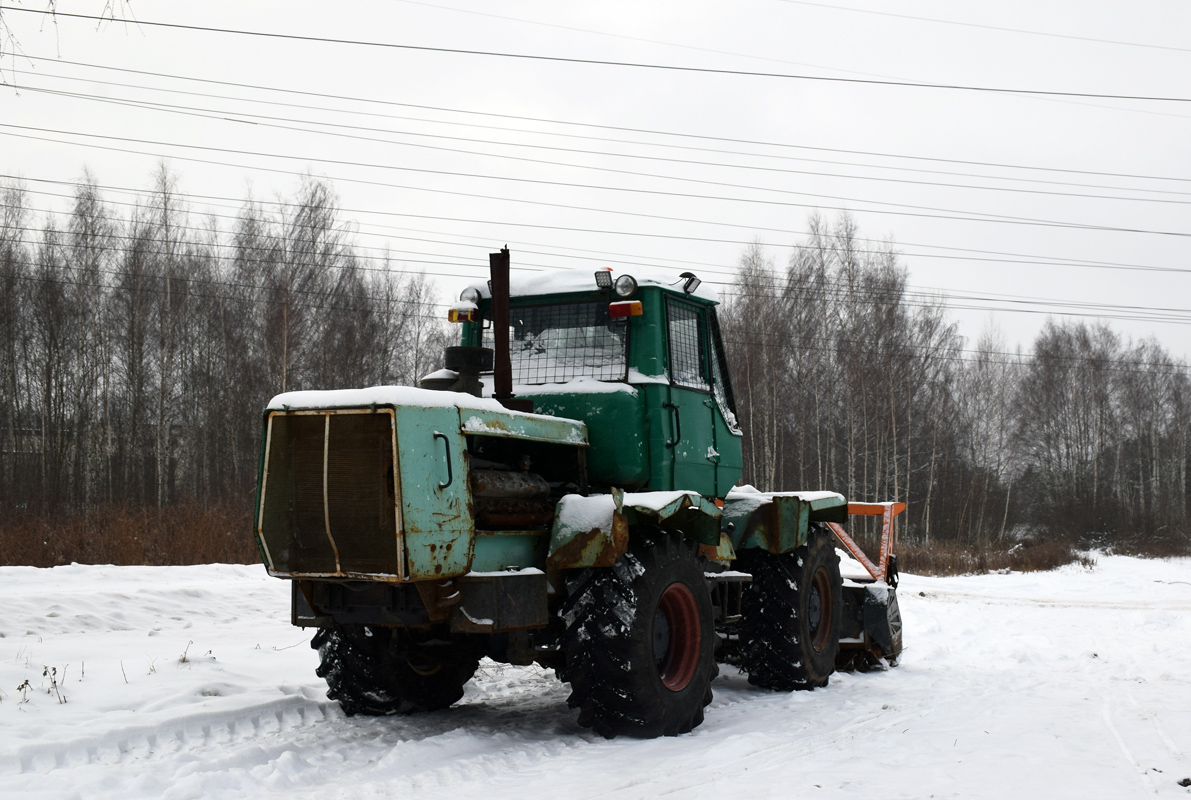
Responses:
[387,395]
[564,281]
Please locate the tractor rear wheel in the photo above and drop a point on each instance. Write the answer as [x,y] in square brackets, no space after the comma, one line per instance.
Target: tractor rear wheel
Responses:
[639,640]
[789,633]
[378,671]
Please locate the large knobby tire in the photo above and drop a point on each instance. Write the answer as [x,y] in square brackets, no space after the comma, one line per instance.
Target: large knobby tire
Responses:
[789,633]
[379,671]
[639,641]
[895,630]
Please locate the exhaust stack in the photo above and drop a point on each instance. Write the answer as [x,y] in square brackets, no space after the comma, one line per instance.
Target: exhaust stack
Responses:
[502,369]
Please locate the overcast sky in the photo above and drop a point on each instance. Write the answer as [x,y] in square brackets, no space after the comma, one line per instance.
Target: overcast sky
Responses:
[1013,206]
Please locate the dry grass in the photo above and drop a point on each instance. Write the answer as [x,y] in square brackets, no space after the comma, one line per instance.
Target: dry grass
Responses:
[955,558]
[189,533]
[185,533]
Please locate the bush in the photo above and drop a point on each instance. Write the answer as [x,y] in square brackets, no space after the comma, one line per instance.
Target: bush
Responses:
[184,533]
[958,558]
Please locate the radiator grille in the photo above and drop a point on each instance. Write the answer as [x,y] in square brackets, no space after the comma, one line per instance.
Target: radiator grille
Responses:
[358,507]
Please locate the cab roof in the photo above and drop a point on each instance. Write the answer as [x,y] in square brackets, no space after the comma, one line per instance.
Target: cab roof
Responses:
[575,281]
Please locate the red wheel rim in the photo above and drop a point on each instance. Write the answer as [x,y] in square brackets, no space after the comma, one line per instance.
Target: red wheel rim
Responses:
[820,609]
[677,637]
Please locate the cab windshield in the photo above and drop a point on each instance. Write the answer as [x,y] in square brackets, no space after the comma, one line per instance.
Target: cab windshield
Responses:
[557,343]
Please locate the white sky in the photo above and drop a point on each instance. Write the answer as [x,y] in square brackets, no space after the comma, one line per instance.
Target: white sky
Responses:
[447,221]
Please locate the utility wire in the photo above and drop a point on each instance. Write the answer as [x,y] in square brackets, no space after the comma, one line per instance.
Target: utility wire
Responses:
[990,27]
[984,256]
[831,344]
[617,128]
[347,261]
[984,217]
[230,116]
[606,63]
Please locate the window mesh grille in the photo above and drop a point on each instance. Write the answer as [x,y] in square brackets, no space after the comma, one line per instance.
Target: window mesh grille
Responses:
[686,349]
[554,344]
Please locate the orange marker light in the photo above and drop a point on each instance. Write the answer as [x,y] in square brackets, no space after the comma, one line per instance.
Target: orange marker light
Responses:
[455,315]
[630,308]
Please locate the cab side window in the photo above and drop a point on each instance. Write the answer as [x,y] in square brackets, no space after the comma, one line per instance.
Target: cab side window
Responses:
[685,327]
[721,384]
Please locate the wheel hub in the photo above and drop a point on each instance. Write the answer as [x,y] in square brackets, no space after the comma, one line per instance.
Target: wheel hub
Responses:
[677,637]
[819,610]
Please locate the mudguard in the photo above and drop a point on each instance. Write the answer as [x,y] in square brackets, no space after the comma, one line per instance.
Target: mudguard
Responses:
[594,531]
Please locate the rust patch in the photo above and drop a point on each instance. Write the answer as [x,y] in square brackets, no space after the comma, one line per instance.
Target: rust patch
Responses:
[593,548]
[575,552]
[439,597]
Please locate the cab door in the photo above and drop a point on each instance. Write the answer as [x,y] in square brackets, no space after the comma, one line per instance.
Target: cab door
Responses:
[690,408]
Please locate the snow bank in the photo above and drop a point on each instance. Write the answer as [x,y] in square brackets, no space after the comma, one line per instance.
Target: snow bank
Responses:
[189,682]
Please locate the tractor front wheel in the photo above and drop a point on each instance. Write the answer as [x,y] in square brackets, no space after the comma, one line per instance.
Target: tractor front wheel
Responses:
[639,640]
[377,671]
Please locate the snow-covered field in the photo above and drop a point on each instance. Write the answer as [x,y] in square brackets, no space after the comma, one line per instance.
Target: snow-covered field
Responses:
[189,682]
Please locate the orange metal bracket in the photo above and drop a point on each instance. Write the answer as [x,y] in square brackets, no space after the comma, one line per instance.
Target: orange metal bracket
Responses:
[887,511]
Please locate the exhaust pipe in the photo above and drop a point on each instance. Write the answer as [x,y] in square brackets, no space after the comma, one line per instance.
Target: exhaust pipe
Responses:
[502,374]
[502,368]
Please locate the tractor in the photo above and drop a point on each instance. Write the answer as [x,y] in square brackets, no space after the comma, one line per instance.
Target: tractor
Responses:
[564,492]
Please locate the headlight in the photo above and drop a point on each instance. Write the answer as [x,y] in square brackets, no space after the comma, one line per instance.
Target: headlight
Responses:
[626,285]
[470,295]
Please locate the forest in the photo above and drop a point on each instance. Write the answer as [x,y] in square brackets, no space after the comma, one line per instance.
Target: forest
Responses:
[140,341]
[847,381]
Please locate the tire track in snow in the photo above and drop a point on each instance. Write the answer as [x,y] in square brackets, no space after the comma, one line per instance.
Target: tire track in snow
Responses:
[1159,728]
[997,599]
[171,737]
[1144,776]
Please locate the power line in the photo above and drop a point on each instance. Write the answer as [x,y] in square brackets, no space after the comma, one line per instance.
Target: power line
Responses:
[831,344]
[629,38]
[979,255]
[990,27]
[216,114]
[985,217]
[904,298]
[617,128]
[609,63]
[907,296]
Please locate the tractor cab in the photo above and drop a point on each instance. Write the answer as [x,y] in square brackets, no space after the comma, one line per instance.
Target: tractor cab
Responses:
[638,356]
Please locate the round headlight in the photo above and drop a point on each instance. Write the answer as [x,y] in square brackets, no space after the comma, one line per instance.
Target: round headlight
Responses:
[470,295]
[626,285]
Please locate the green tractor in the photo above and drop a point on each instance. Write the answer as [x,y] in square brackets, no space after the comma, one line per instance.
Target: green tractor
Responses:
[564,492]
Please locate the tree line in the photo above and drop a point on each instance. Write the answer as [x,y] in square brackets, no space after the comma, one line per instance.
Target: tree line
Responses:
[138,347]
[846,381]
[139,343]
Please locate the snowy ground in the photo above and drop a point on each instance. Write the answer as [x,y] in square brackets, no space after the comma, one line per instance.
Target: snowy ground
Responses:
[189,682]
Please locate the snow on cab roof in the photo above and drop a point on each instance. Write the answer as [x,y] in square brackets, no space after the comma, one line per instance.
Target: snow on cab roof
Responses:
[565,281]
